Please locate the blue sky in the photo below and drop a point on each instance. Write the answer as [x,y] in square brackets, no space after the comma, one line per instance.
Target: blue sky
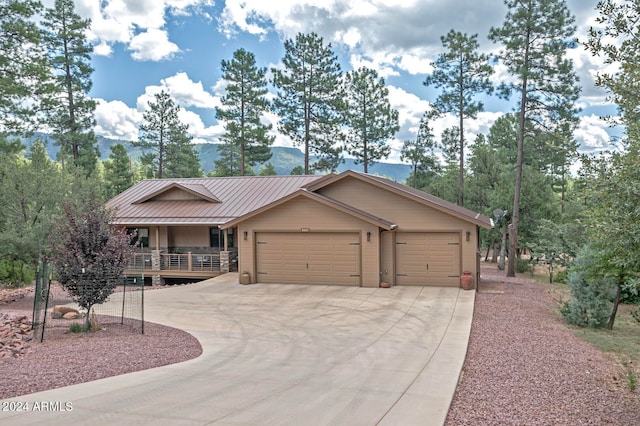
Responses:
[144,46]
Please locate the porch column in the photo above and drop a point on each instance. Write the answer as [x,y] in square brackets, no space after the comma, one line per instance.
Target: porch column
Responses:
[156,279]
[224,260]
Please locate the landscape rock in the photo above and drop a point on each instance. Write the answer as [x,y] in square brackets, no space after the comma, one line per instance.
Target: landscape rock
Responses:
[70,315]
[15,335]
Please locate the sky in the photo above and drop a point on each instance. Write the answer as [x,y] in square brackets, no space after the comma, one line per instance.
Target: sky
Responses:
[144,46]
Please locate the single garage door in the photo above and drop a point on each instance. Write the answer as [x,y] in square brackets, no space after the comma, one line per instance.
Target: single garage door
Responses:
[308,258]
[428,258]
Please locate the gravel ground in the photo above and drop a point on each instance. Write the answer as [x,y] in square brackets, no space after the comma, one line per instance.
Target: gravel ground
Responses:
[524,367]
[66,358]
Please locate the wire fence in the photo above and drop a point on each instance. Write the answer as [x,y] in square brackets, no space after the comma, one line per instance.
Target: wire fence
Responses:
[55,309]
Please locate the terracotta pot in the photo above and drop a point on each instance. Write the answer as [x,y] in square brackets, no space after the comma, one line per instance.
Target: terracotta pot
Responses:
[466,280]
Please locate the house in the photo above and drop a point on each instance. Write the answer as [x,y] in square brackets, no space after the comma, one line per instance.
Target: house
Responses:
[340,229]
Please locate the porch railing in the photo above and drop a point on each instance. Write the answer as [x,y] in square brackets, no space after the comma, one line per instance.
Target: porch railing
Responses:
[187,262]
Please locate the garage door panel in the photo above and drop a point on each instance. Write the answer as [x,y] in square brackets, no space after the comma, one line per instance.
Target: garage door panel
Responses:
[308,258]
[424,258]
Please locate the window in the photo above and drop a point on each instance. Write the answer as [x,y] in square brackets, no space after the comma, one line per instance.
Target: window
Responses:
[142,238]
[214,238]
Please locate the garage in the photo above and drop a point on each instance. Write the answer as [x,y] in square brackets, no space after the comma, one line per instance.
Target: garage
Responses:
[428,258]
[324,258]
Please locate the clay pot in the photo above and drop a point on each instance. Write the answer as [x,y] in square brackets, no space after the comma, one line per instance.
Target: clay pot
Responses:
[466,280]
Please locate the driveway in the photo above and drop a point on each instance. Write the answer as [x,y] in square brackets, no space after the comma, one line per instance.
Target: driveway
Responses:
[287,355]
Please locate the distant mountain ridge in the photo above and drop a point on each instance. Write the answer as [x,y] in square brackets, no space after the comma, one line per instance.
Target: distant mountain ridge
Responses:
[284,159]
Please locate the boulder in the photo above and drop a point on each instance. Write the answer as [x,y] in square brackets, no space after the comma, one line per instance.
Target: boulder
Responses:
[71,315]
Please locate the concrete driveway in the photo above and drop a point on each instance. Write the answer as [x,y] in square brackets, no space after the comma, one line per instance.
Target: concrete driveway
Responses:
[286,355]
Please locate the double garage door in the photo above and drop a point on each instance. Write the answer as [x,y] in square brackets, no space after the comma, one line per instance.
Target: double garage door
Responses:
[428,258]
[330,258]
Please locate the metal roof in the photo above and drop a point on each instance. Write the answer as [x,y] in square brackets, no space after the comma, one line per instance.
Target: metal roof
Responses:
[222,199]
[217,201]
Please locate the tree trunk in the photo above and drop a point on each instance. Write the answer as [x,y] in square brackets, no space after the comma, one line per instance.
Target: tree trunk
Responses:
[515,216]
[616,302]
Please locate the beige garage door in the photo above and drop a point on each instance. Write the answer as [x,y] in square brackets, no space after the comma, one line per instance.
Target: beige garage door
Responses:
[428,258]
[308,258]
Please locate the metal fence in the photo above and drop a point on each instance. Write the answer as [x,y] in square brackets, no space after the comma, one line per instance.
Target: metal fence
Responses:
[55,309]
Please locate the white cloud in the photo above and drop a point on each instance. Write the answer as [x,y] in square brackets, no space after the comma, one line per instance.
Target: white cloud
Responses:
[197,128]
[152,45]
[593,134]
[115,120]
[184,91]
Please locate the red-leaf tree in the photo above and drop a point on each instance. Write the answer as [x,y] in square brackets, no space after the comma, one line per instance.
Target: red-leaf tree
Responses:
[89,254]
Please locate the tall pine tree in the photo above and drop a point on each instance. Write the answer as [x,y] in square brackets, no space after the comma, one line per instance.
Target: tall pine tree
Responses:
[535,36]
[118,174]
[242,108]
[71,115]
[462,73]
[369,117]
[309,101]
[23,65]
[164,138]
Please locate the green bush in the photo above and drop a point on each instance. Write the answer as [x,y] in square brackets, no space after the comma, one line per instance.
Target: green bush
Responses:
[561,276]
[76,328]
[16,273]
[522,265]
[591,296]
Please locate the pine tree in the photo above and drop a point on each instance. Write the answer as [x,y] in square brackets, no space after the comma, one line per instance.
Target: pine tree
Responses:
[118,174]
[165,141]
[71,115]
[462,73]
[309,101]
[369,117]
[535,36]
[242,108]
[419,153]
[23,65]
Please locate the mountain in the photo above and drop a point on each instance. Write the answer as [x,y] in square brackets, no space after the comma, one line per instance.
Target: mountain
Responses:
[284,159]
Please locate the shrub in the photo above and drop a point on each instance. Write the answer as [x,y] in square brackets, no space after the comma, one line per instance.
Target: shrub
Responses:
[561,276]
[522,266]
[76,328]
[591,296]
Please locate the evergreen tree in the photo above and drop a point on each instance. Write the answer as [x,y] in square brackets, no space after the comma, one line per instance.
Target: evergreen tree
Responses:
[23,65]
[182,159]
[164,139]
[267,169]
[309,101]
[242,108]
[71,115]
[228,164]
[118,174]
[617,39]
[534,36]
[31,190]
[613,184]
[369,117]
[462,73]
[419,153]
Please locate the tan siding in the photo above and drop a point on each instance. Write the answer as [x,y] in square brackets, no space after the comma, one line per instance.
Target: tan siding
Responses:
[176,194]
[406,213]
[189,236]
[304,213]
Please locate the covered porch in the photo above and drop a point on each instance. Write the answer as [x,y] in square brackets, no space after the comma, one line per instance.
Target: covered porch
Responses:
[182,252]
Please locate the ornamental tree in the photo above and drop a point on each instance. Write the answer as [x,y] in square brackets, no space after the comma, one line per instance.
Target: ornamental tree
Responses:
[89,254]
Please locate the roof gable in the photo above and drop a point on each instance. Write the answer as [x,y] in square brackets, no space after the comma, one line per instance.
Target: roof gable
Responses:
[345,208]
[408,192]
[174,191]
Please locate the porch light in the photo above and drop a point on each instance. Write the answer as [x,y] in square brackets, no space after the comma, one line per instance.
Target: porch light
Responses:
[468,235]
[245,233]
[368,236]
